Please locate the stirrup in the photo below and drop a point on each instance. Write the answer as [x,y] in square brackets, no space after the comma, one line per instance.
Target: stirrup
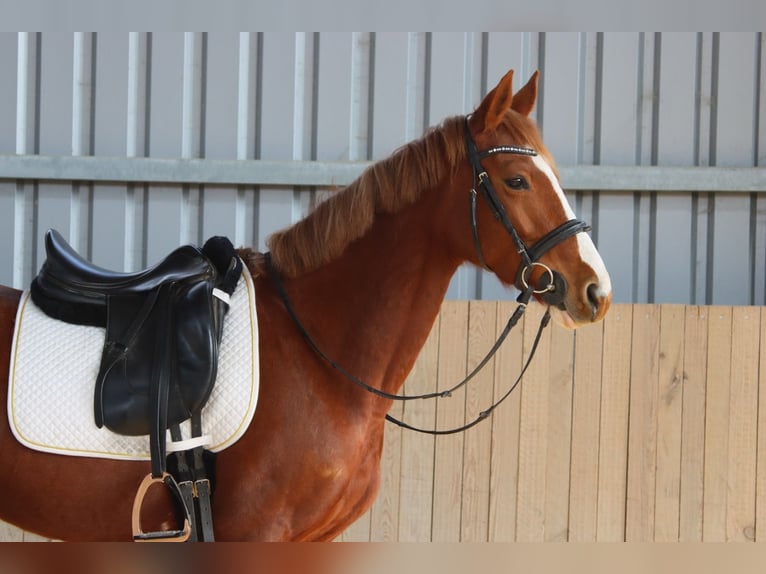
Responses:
[139,535]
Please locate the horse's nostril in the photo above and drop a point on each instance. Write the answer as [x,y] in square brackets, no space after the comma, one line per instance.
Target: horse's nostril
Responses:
[593,298]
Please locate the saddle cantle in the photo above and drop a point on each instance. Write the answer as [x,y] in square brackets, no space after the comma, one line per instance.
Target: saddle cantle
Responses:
[163,327]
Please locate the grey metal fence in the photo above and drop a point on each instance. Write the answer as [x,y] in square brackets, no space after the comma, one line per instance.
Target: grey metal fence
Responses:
[134,143]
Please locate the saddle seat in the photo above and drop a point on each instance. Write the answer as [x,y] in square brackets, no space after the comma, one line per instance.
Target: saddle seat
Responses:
[75,290]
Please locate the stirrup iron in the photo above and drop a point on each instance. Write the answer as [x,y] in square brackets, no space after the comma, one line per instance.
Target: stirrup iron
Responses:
[181,535]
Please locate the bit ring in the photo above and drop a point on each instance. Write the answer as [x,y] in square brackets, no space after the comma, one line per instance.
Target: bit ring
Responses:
[551,287]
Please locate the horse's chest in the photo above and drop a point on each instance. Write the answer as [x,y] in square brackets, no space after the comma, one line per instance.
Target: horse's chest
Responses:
[353,481]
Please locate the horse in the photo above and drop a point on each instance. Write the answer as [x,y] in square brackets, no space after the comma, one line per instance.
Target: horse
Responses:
[365,273]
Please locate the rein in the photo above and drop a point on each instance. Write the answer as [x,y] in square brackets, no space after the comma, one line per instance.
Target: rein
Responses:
[552,294]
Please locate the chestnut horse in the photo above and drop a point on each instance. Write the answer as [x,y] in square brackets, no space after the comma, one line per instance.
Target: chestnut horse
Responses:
[366,273]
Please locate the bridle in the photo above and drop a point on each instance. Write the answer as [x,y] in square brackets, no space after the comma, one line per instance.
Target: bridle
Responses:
[553,293]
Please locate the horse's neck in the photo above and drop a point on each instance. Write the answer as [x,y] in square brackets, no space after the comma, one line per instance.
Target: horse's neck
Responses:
[373,308]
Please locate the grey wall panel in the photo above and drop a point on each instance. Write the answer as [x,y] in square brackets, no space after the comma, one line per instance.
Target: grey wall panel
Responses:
[734,146]
[281,56]
[108,129]
[219,204]
[560,105]
[391,94]
[56,66]
[611,99]
[616,133]
[673,263]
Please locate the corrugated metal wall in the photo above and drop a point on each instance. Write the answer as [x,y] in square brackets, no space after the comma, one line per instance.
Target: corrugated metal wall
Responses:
[611,99]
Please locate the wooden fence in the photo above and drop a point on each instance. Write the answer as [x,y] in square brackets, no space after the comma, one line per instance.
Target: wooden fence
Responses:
[650,426]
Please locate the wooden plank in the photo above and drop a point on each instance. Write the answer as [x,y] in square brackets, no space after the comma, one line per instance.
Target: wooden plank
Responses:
[743,424]
[504,472]
[530,517]
[559,430]
[760,492]
[450,413]
[613,441]
[669,411]
[417,462]
[474,526]
[717,425]
[693,428]
[586,412]
[642,440]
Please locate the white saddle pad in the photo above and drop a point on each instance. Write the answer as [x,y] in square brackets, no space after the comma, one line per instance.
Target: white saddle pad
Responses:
[53,372]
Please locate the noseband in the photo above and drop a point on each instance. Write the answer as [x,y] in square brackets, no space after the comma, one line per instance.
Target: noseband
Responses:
[554,291]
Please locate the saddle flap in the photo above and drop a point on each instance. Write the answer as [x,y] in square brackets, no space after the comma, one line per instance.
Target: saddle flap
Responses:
[173,334]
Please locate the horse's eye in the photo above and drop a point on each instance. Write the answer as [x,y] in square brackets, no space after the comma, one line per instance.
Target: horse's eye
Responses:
[517,183]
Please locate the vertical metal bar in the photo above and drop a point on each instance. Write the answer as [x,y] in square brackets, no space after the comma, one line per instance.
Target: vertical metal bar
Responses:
[654,155]
[470,279]
[27,142]
[760,160]
[245,124]
[139,57]
[710,271]
[599,96]
[642,216]
[587,93]
[362,77]
[191,129]
[83,83]
[302,67]
[305,101]
[415,115]
[758,216]
[700,201]
[304,74]
[188,129]
[540,106]
[135,136]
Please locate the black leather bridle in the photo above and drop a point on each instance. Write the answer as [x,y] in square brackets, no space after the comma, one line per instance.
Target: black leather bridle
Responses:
[553,293]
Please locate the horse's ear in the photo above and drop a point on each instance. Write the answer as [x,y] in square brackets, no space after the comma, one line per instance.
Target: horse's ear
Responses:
[524,100]
[491,110]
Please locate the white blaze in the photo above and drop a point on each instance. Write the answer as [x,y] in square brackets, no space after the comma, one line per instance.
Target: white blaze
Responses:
[587,249]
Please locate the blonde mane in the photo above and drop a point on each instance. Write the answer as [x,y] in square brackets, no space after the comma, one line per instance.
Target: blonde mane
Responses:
[384,187]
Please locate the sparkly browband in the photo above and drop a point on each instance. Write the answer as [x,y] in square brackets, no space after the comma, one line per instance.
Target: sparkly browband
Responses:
[508,149]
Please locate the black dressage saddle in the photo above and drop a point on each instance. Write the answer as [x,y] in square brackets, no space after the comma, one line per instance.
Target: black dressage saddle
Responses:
[163,330]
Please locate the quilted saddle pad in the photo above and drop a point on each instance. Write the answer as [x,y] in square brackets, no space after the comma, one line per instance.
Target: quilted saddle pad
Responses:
[54,367]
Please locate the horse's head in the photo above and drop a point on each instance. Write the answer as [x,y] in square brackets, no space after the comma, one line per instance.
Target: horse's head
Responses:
[523,226]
